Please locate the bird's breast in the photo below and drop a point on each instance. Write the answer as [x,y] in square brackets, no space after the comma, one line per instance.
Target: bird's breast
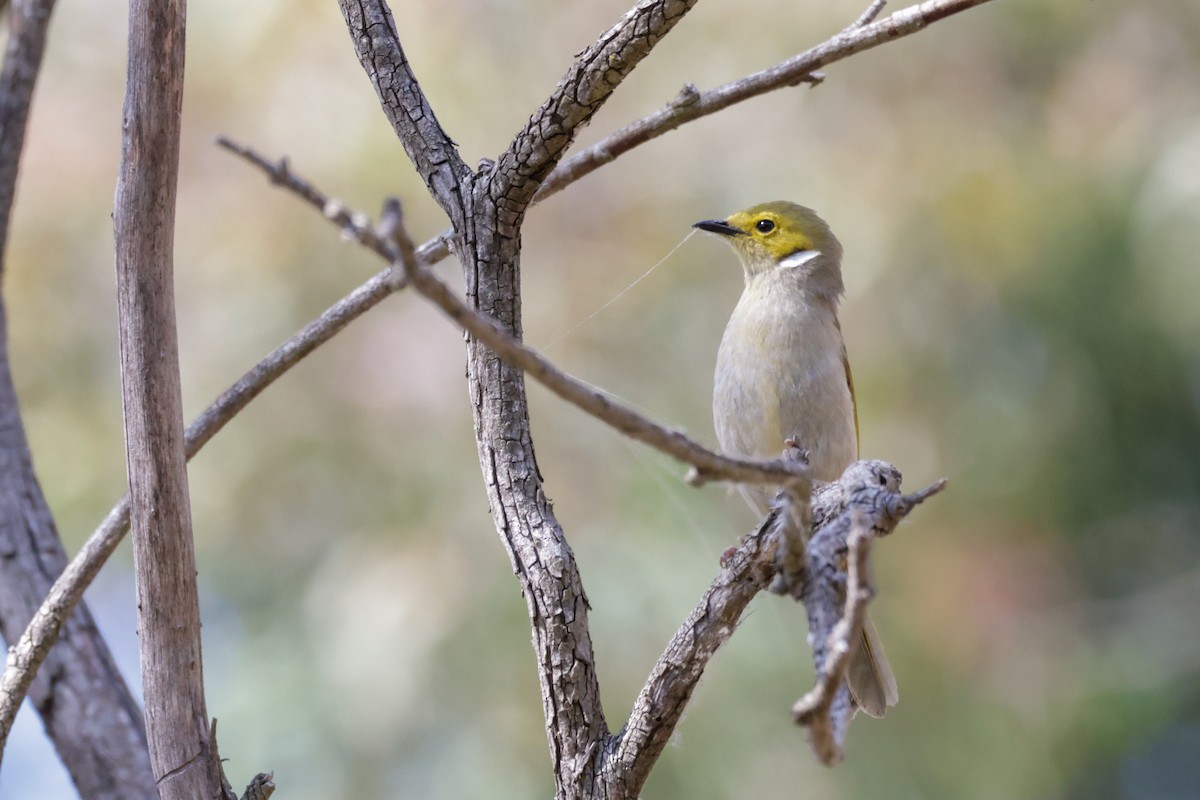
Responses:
[780,374]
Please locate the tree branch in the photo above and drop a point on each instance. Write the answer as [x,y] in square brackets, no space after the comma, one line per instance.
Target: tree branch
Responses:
[356,227]
[181,750]
[836,601]
[593,76]
[85,706]
[430,149]
[692,104]
[868,489]
[33,646]
[69,587]
[661,703]
[22,62]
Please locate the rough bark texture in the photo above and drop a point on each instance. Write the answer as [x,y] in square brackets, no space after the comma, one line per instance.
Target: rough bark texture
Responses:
[181,752]
[85,706]
[541,558]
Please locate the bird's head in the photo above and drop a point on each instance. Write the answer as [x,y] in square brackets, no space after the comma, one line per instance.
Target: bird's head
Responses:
[782,238]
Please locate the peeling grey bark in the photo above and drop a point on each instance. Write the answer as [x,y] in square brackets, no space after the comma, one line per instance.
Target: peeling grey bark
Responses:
[85,706]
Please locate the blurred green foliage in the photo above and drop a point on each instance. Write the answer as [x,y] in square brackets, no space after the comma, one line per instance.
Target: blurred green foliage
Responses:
[1018,190]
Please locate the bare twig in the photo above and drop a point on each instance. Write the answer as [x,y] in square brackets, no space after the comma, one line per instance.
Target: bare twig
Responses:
[692,104]
[745,573]
[592,77]
[869,15]
[836,603]
[660,705]
[354,226]
[826,709]
[706,464]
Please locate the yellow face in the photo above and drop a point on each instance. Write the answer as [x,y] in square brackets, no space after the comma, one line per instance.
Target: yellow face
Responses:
[776,235]
[780,229]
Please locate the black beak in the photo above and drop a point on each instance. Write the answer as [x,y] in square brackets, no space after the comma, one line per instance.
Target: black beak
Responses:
[718,226]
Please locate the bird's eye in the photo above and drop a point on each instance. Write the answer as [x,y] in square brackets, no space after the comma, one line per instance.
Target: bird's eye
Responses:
[764,226]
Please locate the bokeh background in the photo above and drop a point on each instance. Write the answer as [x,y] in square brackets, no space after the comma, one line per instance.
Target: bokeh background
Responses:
[1018,191]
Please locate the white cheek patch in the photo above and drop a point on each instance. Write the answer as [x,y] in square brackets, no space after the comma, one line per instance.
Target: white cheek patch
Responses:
[799,258]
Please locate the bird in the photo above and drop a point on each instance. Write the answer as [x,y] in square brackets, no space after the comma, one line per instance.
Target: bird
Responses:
[783,374]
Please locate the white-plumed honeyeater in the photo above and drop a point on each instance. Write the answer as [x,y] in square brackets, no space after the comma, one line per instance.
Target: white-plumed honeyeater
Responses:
[782,373]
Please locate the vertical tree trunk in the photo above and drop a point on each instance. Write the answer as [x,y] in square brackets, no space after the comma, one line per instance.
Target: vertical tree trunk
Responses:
[181,752]
[85,706]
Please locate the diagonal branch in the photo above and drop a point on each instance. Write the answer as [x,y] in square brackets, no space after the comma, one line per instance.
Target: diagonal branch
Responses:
[660,705]
[593,76]
[431,150]
[836,602]
[32,648]
[692,104]
[69,587]
[869,489]
[354,226]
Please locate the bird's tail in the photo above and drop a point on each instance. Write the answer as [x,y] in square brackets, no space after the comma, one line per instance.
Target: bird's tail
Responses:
[872,682]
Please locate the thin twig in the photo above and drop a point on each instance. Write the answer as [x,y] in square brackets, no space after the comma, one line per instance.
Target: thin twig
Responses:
[746,572]
[692,104]
[354,226]
[826,709]
[587,84]
[869,15]
[836,602]
[661,703]
[706,464]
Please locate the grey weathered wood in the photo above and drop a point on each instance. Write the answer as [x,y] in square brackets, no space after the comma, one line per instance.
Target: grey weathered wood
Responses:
[85,706]
[181,752]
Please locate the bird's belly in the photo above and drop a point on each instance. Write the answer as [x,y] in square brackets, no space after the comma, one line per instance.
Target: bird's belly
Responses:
[789,389]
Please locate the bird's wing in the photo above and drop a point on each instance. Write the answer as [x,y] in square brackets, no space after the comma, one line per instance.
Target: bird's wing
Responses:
[853,398]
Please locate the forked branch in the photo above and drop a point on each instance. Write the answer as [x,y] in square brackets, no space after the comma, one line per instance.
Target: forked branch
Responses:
[836,600]
[692,104]
[867,491]
[593,76]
